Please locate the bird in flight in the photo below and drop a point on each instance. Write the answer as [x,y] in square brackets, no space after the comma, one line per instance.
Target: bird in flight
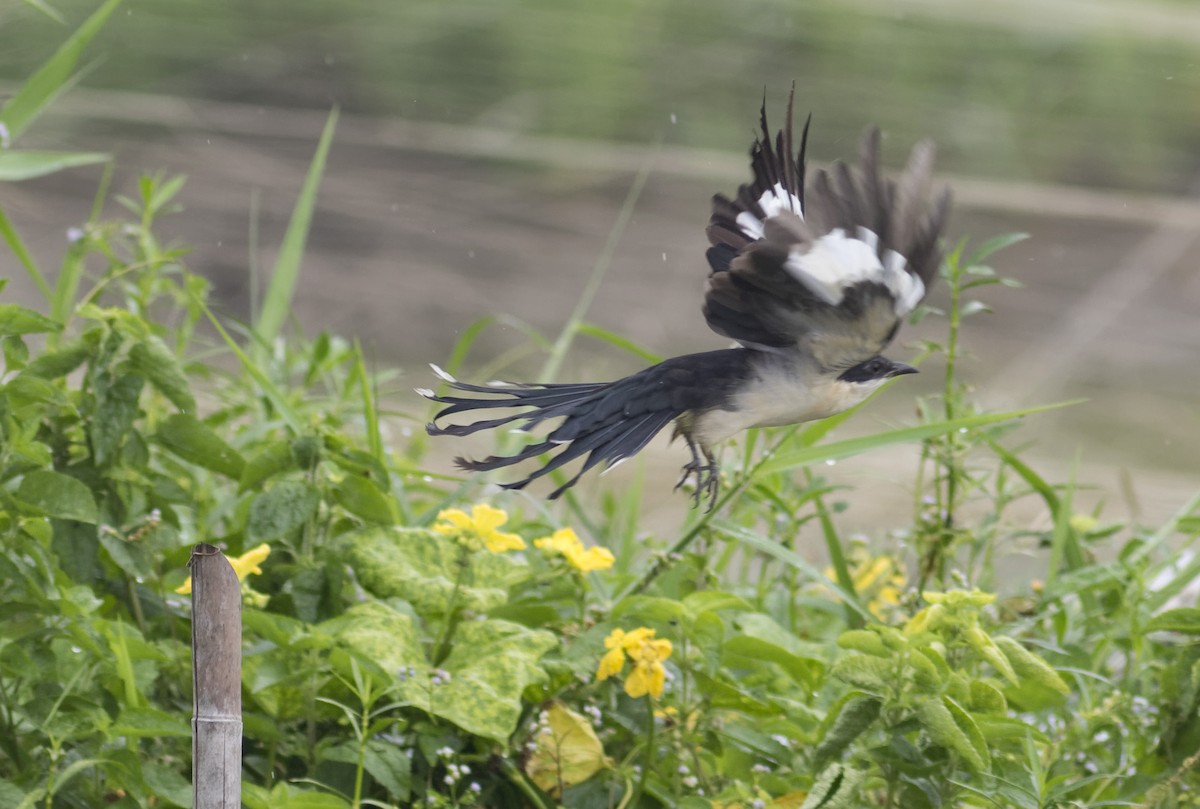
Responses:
[811,280]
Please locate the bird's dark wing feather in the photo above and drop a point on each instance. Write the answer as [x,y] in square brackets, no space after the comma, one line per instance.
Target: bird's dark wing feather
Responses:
[834,267]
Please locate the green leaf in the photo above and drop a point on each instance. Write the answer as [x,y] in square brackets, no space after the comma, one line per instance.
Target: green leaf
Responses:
[837,787]
[491,664]
[421,566]
[1184,619]
[362,498]
[280,510]
[941,723]
[58,363]
[744,651]
[16,319]
[58,495]
[16,353]
[161,368]
[116,409]
[190,439]
[993,245]
[27,164]
[1029,666]
[277,304]
[876,675]
[854,718]
[967,725]
[150,722]
[390,767]
[986,698]
[866,641]
[785,461]
[40,90]
[276,458]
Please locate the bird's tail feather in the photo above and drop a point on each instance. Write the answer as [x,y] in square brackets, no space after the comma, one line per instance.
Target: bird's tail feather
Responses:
[607,422]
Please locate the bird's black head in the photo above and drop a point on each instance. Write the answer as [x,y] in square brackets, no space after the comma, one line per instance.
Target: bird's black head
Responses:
[876,369]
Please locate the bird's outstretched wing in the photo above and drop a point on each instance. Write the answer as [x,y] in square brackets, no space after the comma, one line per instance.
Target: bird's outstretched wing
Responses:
[832,268]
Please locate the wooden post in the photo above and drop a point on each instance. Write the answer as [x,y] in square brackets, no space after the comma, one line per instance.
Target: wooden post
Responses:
[216,680]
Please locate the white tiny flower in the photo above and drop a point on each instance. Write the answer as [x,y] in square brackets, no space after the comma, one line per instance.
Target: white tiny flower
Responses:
[683,769]
[448,780]
[474,787]
[464,769]
[760,768]
[691,782]
[4,138]
[758,803]
[781,739]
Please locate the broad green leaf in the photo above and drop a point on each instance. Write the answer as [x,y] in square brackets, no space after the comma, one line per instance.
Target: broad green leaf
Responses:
[491,664]
[16,319]
[722,693]
[1184,619]
[567,752]
[362,498]
[744,651]
[161,368]
[191,439]
[58,495]
[280,510]
[40,90]
[150,722]
[866,641]
[854,718]
[25,164]
[707,600]
[421,566]
[875,675]
[34,392]
[390,766]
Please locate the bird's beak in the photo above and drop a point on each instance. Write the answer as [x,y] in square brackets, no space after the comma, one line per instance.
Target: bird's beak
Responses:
[899,369]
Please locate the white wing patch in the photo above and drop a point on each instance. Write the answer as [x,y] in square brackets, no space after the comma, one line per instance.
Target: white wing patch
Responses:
[836,261]
[773,202]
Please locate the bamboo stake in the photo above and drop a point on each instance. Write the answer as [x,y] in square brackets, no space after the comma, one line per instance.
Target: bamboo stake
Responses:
[216,680]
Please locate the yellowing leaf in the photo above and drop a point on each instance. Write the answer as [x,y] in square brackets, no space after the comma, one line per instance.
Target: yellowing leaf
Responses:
[566,751]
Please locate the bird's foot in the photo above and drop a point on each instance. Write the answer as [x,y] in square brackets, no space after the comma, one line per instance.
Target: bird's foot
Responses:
[707,478]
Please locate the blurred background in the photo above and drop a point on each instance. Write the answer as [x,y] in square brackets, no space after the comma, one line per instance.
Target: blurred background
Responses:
[486,147]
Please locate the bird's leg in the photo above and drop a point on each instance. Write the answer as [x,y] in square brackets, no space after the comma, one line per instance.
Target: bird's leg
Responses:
[705,471]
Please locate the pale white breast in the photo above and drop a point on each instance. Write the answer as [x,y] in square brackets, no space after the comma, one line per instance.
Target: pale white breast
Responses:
[778,396]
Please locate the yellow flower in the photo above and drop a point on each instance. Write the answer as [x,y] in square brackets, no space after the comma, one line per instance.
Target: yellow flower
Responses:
[481,523]
[648,675]
[245,565]
[565,541]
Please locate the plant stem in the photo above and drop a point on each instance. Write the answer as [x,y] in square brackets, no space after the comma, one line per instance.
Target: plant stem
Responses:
[442,648]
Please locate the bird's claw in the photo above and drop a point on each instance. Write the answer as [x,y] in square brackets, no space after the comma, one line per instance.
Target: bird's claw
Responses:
[707,478]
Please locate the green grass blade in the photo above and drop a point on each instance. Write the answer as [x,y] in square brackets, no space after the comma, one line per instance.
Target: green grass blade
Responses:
[53,77]
[17,245]
[789,557]
[69,275]
[370,409]
[617,341]
[27,164]
[286,411]
[1035,481]
[844,449]
[278,302]
[603,261]
[47,9]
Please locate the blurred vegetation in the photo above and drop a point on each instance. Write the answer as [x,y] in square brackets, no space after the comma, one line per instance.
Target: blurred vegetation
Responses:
[1038,97]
